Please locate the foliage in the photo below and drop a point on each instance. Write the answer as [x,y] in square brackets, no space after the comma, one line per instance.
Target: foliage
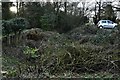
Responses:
[56,53]
[32,12]
[64,23]
[14,25]
[84,49]
[105,37]
[67,22]
[83,33]
[30,52]
[105,12]
[18,24]
[6,28]
[49,16]
[6,13]
[108,13]
[48,21]
[89,29]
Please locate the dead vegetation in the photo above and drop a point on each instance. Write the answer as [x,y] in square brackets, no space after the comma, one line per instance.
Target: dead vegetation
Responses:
[45,53]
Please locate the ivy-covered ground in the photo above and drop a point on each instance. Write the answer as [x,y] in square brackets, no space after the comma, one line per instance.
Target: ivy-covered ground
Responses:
[85,52]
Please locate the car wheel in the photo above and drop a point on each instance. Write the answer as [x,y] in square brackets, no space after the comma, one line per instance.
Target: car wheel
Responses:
[100,27]
[115,27]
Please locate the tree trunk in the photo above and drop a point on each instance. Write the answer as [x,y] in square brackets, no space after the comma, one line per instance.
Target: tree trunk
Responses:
[65,4]
[17,7]
[99,11]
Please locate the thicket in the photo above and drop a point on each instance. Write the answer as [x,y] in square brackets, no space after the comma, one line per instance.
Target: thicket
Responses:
[49,53]
[13,27]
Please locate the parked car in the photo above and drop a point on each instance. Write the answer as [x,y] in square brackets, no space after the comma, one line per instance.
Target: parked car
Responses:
[106,24]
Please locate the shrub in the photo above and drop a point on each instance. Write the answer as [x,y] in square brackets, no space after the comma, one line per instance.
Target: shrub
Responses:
[18,24]
[119,28]
[89,29]
[30,52]
[104,37]
[48,21]
[14,25]
[6,28]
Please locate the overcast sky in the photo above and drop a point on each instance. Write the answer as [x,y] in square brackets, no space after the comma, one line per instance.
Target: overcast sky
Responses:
[58,0]
[88,2]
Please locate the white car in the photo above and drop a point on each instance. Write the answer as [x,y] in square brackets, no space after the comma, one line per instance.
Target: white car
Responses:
[106,24]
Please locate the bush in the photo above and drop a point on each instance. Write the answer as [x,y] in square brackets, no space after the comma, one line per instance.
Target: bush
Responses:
[6,28]
[119,28]
[56,54]
[18,24]
[48,21]
[89,29]
[105,37]
[14,25]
